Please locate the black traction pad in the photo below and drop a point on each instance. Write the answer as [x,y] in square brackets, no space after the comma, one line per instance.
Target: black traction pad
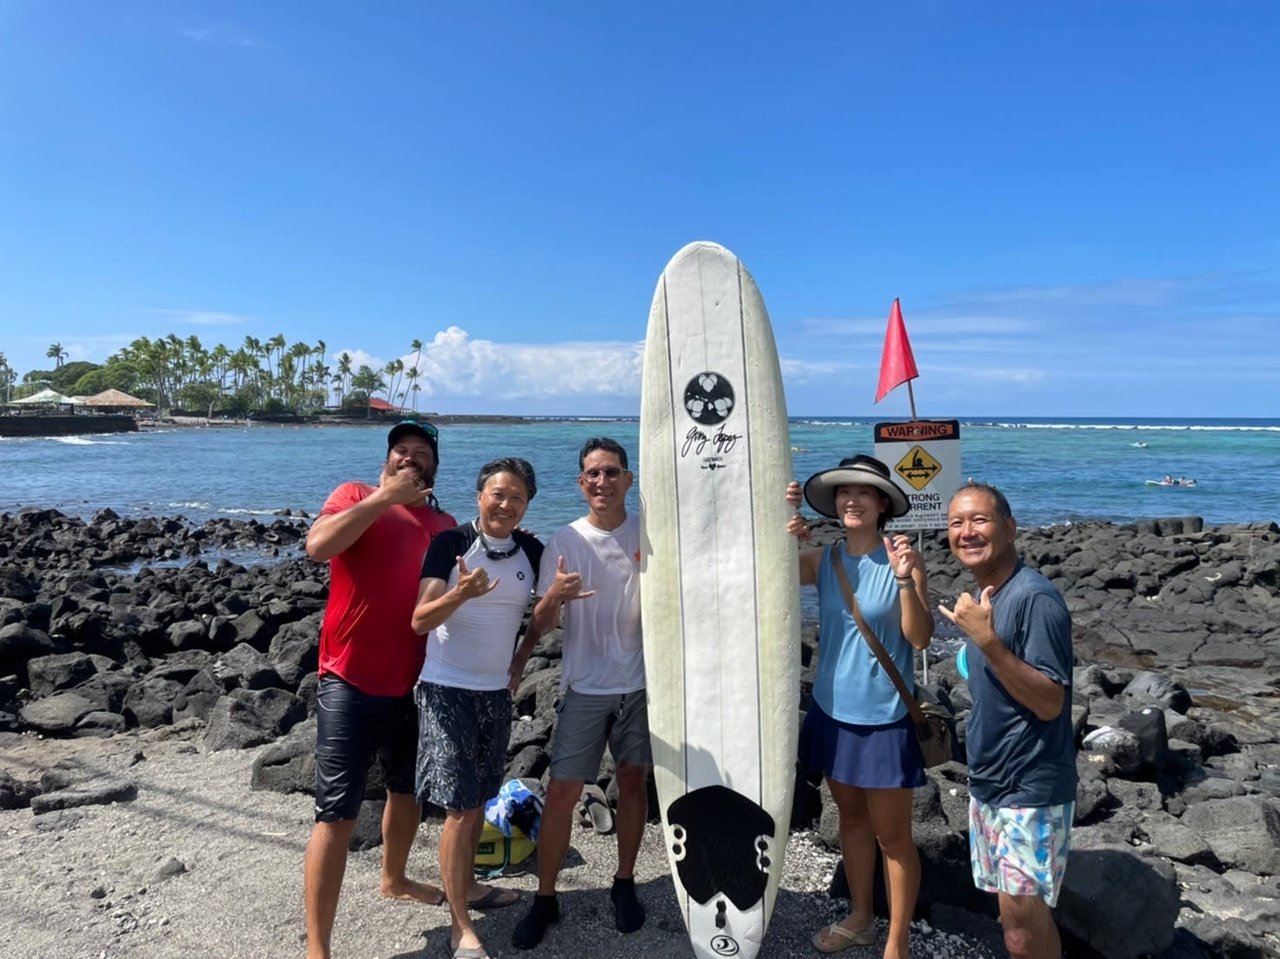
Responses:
[719,838]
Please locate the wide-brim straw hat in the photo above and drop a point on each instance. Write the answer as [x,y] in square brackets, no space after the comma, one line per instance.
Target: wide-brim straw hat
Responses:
[820,488]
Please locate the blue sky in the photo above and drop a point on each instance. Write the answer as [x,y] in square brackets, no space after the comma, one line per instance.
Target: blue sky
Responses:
[1077,203]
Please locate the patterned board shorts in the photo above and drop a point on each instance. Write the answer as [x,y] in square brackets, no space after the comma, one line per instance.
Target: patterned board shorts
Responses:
[1020,850]
[462,744]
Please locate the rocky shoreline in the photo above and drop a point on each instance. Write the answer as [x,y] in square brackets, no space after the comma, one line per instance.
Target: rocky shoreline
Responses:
[112,626]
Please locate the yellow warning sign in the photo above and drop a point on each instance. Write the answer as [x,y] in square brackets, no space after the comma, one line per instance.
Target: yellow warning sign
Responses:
[918,468]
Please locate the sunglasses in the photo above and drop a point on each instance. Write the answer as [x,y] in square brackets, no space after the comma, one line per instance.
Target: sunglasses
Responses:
[422,425]
[609,472]
[496,553]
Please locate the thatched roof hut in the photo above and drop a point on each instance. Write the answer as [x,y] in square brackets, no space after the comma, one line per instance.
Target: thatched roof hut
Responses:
[115,400]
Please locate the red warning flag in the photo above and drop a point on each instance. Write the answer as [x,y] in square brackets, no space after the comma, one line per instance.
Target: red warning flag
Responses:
[897,365]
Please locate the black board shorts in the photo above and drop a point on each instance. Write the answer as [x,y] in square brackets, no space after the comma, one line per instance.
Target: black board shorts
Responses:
[352,728]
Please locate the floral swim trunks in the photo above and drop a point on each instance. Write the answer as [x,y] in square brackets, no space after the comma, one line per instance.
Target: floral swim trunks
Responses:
[1020,850]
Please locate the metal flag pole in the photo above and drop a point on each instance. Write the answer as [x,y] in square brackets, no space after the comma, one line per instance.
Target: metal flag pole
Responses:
[924,653]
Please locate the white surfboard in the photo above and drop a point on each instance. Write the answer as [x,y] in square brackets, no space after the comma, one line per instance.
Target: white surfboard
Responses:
[719,596]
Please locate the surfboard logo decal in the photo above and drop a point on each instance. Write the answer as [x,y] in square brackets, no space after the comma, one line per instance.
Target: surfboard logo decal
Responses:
[724,946]
[720,846]
[708,399]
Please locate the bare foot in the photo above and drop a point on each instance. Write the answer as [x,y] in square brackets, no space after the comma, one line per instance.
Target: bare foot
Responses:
[491,897]
[468,944]
[411,891]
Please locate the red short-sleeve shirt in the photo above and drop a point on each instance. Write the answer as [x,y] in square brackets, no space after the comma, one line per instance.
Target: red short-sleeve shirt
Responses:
[367,638]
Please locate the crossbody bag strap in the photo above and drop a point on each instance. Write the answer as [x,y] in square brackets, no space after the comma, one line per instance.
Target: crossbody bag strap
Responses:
[872,640]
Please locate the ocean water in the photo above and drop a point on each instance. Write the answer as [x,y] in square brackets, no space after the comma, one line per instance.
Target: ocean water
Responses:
[1053,471]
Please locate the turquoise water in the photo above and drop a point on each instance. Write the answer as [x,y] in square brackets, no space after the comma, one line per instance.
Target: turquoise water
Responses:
[1054,471]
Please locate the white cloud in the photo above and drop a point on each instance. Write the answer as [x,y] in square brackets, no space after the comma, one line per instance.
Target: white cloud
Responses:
[799,371]
[205,317]
[230,36]
[1129,291]
[925,323]
[359,358]
[454,364]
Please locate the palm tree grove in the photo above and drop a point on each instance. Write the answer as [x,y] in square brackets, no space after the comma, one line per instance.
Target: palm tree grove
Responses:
[257,378]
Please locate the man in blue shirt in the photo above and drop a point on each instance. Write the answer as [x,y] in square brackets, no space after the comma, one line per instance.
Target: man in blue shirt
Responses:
[1022,773]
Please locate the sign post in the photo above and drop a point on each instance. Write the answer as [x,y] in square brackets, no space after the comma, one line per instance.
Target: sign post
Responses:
[923,457]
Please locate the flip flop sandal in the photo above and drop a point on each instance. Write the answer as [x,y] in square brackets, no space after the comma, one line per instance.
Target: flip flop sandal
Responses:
[594,810]
[844,938]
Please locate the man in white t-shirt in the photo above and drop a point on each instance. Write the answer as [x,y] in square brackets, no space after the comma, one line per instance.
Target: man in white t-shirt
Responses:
[590,583]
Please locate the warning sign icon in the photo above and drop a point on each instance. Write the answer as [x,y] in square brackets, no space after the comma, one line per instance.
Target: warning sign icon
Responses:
[918,468]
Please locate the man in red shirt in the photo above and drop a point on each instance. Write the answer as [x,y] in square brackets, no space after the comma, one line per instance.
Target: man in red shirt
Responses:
[374,539]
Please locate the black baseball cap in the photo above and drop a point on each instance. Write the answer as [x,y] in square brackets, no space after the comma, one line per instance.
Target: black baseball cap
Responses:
[419,428]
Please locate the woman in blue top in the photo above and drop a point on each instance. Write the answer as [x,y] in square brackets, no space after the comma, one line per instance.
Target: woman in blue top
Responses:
[858,731]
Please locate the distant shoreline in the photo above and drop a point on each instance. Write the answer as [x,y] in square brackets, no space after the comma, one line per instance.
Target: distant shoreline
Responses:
[445,419]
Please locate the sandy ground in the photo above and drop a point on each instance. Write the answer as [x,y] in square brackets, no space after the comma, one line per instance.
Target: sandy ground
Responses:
[200,865]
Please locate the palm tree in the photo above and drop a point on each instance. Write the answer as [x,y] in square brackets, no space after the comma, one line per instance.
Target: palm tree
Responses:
[220,357]
[285,371]
[276,343]
[414,371]
[56,353]
[369,381]
[299,353]
[7,376]
[151,361]
[244,370]
[253,348]
[318,375]
[320,349]
[344,374]
[393,370]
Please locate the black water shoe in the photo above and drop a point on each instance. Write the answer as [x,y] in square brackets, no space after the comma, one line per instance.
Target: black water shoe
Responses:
[628,914]
[529,930]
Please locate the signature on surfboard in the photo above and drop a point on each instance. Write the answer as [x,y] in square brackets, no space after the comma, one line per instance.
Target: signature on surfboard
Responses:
[695,441]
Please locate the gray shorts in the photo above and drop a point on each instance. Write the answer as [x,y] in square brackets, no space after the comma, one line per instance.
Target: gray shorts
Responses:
[462,744]
[586,722]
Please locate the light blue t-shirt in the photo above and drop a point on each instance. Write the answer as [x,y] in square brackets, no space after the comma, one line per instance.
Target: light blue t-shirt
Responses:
[850,684]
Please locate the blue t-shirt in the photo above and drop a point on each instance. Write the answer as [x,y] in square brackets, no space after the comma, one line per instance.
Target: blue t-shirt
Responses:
[850,684]
[1016,759]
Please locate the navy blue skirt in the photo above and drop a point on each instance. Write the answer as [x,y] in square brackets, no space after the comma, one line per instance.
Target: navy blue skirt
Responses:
[870,757]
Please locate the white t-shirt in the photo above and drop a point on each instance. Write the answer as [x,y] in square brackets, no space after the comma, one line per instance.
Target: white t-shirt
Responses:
[472,649]
[603,652]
